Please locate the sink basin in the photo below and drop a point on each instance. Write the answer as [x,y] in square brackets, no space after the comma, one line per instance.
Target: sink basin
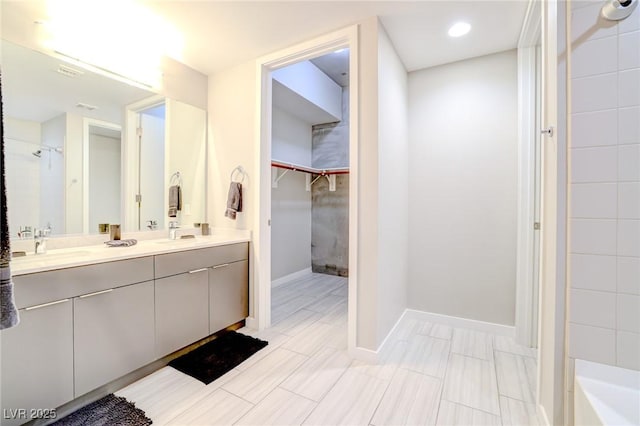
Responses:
[47,256]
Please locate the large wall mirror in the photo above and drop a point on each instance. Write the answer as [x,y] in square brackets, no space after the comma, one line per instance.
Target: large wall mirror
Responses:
[83,149]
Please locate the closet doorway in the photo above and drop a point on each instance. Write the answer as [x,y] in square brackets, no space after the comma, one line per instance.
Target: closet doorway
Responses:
[310,196]
[346,42]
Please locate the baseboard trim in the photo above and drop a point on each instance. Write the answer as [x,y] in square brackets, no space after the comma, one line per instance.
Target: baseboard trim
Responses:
[542,415]
[364,354]
[251,322]
[487,327]
[372,356]
[293,276]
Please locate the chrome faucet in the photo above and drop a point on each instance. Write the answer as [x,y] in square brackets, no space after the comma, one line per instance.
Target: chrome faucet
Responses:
[173,230]
[152,225]
[40,241]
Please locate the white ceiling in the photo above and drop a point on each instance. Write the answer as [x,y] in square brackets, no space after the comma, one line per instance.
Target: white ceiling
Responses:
[221,34]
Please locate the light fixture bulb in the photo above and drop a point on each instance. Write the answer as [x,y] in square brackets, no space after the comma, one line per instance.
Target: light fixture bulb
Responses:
[459,29]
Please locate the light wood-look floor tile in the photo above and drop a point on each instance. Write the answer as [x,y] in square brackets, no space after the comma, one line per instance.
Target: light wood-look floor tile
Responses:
[295,323]
[265,375]
[281,408]
[313,338]
[305,374]
[472,382]
[508,344]
[163,394]
[411,399]
[317,376]
[219,408]
[352,401]
[390,360]
[325,304]
[452,414]
[518,413]
[441,331]
[427,355]
[472,343]
[516,376]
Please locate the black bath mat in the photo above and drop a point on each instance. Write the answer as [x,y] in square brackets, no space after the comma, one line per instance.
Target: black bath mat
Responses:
[213,359]
[108,411]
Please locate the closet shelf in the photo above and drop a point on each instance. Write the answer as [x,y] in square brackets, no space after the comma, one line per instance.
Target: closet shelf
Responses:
[312,170]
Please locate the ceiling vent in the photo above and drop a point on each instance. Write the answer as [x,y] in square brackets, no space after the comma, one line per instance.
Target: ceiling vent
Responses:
[86,106]
[68,71]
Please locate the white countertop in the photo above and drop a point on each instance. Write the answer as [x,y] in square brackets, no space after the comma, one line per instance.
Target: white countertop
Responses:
[91,254]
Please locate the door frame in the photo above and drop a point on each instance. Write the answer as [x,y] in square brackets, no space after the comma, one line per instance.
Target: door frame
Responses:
[131,159]
[528,137]
[345,38]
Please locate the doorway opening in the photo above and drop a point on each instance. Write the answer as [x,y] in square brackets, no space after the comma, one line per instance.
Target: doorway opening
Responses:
[267,66]
[310,194]
[145,163]
[102,152]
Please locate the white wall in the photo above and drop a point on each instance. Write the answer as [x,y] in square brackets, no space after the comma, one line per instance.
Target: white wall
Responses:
[104,181]
[152,171]
[22,173]
[393,183]
[290,201]
[290,226]
[52,191]
[604,260]
[73,160]
[462,183]
[186,149]
[291,138]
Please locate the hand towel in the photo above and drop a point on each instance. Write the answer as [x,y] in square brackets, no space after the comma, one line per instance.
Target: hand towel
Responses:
[121,243]
[8,312]
[175,200]
[234,200]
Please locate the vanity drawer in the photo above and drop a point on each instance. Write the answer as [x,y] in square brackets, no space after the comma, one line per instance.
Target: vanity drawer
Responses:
[44,287]
[184,261]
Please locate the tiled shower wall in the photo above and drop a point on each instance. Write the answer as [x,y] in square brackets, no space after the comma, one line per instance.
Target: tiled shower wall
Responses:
[329,209]
[604,322]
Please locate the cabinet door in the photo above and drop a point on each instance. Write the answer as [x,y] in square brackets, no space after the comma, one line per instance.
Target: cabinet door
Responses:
[228,294]
[182,311]
[113,334]
[37,360]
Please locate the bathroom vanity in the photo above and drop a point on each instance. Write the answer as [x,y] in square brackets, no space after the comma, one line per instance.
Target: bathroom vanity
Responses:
[89,315]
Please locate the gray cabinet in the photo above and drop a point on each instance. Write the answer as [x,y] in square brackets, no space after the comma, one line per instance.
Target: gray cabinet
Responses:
[37,359]
[182,311]
[228,294]
[113,334]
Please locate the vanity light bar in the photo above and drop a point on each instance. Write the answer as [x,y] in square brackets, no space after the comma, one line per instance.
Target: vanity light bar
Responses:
[68,71]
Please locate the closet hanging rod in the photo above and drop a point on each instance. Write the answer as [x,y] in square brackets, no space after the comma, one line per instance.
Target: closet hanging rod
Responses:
[312,170]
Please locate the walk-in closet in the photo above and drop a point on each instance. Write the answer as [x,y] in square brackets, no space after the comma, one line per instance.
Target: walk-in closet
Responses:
[310,190]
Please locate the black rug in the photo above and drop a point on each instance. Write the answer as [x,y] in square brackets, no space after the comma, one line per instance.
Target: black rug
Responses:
[213,359]
[108,411]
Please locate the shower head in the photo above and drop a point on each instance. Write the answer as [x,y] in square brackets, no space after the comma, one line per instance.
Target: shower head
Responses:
[37,153]
[615,10]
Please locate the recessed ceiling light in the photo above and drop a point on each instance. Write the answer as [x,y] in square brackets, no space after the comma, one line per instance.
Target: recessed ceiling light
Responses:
[459,29]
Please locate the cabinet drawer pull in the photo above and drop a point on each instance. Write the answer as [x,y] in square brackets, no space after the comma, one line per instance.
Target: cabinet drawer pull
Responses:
[198,270]
[44,305]
[96,293]
[221,266]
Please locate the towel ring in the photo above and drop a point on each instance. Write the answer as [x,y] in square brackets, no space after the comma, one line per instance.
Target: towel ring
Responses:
[240,170]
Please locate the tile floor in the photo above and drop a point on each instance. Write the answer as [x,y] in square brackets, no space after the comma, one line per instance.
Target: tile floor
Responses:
[429,374]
